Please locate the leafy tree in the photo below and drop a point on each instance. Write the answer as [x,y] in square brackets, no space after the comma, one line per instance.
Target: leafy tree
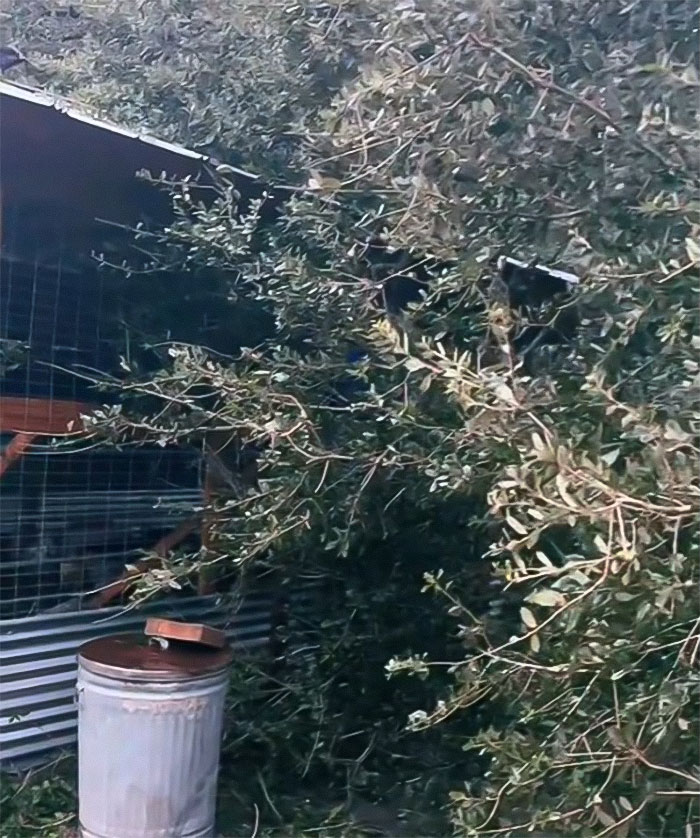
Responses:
[411,390]
[223,78]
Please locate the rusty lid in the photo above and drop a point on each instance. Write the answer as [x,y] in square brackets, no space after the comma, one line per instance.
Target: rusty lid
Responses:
[137,657]
[189,632]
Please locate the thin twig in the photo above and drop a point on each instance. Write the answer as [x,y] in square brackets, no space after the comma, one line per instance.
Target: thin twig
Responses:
[272,806]
[257,821]
[547,84]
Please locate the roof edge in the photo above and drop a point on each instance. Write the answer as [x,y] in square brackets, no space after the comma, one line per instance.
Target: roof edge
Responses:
[63,105]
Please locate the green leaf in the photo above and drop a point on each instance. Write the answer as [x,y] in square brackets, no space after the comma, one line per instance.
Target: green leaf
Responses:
[562,486]
[692,248]
[488,107]
[610,457]
[414,364]
[528,618]
[546,598]
[515,525]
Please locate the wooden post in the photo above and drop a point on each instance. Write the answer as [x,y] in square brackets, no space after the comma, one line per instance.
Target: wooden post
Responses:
[206,574]
[30,418]
[14,450]
[121,585]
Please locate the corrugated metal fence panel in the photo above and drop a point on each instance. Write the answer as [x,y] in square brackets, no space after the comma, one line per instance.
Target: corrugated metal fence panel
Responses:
[38,661]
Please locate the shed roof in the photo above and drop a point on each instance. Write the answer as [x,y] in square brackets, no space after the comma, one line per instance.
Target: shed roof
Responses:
[62,172]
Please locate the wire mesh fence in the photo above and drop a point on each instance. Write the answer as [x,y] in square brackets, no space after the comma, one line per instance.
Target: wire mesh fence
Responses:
[70,520]
[73,513]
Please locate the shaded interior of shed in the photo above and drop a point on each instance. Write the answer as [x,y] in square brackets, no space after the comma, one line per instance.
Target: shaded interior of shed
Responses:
[73,512]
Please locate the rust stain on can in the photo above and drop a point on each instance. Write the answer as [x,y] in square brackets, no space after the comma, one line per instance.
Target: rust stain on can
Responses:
[187,707]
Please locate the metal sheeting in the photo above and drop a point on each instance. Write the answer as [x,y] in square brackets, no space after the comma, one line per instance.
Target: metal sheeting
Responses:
[65,174]
[38,664]
[35,96]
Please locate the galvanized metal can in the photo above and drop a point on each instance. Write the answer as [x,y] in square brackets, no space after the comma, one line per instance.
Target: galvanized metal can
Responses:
[149,738]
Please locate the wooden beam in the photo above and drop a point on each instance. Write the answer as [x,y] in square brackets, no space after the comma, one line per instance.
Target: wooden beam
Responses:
[224,474]
[46,417]
[14,450]
[121,585]
[177,536]
[205,584]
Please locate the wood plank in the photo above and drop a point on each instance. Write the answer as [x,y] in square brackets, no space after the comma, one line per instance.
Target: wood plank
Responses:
[47,417]
[14,450]
[205,582]
[121,585]
[177,536]
[185,632]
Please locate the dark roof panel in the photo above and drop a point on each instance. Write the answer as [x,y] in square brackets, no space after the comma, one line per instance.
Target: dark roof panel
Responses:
[63,170]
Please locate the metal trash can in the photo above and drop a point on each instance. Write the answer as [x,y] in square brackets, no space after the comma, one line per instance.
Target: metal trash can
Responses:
[149,735]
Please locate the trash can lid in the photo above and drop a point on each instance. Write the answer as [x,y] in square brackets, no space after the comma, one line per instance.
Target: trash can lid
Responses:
[138,657]
[188,632]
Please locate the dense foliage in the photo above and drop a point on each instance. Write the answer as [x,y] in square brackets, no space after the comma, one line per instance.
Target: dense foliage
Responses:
[414,414]
[224,78]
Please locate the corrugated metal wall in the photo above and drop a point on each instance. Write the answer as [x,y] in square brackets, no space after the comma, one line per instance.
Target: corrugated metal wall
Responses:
[38,662]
